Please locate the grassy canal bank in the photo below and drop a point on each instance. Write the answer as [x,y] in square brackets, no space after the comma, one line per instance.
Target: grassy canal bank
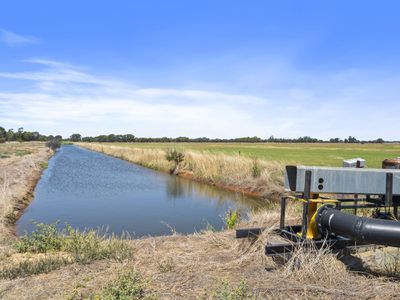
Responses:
[205,265]
[315,154]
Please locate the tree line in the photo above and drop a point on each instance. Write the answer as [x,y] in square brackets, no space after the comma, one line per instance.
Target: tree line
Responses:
[130,138]
[22,135]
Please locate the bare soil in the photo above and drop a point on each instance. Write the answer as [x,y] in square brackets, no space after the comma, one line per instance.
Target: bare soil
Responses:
[21,166]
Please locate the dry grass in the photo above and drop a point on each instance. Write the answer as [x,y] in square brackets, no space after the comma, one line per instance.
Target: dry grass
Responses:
[208,265]
[252,176]
[20,168]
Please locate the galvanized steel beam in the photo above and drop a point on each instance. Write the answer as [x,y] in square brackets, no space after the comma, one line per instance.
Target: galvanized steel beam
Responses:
[342,180]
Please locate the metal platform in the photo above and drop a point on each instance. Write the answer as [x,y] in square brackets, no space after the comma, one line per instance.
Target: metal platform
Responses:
[294,241]
[290,240]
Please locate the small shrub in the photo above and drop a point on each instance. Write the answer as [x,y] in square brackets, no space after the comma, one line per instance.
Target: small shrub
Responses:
[45,238]
[225,291]
[232,219]
[175,156]
[118,250]
[391,263]
[4,155]
[22,152]
[128,285]
[10,218]
[84,247]
[166,265]
[255,168]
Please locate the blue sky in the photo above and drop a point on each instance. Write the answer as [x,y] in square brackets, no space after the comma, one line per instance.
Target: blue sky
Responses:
[201,68]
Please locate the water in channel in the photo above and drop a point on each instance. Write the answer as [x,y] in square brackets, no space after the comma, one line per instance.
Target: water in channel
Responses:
[87,189]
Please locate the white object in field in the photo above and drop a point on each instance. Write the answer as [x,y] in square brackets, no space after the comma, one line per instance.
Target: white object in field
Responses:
[352,163]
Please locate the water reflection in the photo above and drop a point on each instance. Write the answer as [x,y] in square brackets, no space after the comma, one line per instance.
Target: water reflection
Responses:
[182,187]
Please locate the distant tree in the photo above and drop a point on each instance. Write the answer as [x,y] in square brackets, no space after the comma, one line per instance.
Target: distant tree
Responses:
[26,136]
[253,139]
[335,140]
[3,135]
[182,139]
[54,144]
[111,138]
[35,136]
[351,139]
[130,138]
[10,135]
[76,137]
[18,134]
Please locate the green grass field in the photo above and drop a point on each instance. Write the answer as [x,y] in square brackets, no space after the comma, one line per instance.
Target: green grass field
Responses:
[306,154]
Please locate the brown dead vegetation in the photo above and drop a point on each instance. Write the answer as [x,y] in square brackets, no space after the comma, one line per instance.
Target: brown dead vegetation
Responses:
[194,266]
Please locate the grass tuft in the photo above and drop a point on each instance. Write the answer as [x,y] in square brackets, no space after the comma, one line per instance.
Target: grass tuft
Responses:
[166,265]
[22,152]
[80,247]
[226,291]
[84,247]
[43,239]
[128,285]
[232,219]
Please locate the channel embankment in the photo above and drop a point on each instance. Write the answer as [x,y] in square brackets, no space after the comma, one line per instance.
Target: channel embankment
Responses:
[21,165]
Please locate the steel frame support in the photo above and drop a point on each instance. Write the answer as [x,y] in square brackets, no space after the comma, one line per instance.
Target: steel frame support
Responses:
[291,233]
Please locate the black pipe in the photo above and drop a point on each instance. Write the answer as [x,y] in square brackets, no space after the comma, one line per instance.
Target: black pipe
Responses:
[361,229]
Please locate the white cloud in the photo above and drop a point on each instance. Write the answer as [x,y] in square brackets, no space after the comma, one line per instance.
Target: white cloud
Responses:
[12,39]
[70,100]
[62,98]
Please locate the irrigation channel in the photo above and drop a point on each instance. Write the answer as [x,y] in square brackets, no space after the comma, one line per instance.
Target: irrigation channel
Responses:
[87,189]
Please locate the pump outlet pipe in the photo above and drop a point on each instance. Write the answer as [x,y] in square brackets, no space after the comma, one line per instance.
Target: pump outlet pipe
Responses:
[361,229]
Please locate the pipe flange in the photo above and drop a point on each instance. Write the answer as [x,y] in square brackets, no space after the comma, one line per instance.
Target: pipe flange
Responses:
[321,230]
